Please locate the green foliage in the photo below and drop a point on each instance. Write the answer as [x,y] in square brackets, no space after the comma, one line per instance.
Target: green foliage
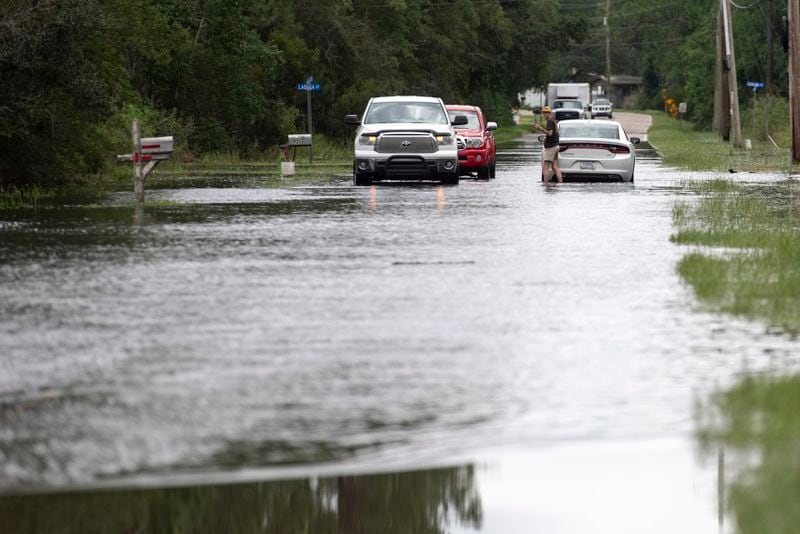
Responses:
[221,76]
[671,45]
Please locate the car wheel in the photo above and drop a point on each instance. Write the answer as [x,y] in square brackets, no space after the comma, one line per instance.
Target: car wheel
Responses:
[492,171]
[361,179]
[485,173]
[451,179]
[610,115]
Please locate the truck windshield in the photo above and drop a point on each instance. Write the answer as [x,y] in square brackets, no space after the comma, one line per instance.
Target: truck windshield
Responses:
[413,112]
[473,124]
[568,104]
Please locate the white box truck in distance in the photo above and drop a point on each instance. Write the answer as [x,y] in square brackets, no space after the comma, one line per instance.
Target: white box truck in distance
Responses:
[568,91]
[568,100]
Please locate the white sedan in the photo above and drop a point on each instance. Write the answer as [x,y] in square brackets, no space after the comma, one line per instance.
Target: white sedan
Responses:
[595,151]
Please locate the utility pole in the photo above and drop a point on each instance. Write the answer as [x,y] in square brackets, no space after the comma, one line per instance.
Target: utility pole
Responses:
[722,94]
[608,49]
[770,35]
[794,76]
[730,65]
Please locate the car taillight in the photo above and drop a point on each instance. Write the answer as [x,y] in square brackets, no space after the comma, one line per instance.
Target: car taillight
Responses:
[614,149]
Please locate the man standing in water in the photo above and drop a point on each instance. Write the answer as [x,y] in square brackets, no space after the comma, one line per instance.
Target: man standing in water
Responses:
[550,151]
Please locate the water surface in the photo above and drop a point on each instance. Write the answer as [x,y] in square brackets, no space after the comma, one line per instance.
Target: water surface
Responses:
[247,332]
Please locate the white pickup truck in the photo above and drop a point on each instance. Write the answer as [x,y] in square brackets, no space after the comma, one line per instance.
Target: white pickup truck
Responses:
[405,138]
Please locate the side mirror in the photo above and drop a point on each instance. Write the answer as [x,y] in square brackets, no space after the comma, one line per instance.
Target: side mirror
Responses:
[635,140]
[541,138]
[459,120]
[352,120]
[491,126]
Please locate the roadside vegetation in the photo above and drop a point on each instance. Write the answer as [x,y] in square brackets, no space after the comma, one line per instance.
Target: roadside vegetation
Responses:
[747,248]
[744,261]
[682,144]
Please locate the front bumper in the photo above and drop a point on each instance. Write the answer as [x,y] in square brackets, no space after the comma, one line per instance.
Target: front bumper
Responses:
[473,159]
[406,167]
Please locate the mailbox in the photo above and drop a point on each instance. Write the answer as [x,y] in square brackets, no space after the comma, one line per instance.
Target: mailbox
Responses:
[156,147]
[299,140]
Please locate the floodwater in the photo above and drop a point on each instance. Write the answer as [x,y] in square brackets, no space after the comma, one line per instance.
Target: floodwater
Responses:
[495,357]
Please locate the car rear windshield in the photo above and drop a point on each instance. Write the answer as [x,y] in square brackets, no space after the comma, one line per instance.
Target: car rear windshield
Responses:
[472,116]
[592,131]
[413,112]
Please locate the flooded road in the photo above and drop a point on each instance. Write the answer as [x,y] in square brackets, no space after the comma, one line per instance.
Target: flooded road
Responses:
[420,335]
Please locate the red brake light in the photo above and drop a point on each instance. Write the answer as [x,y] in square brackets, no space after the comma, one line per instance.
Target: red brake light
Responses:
[614,149]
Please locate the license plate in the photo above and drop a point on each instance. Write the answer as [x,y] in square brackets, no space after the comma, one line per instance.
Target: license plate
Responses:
[587,165]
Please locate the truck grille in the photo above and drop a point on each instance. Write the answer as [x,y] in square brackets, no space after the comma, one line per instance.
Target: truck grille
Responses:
[568,115]
[407,167]
[406,144]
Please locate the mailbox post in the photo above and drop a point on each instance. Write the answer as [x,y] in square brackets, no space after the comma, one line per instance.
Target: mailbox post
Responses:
[147,153]
[296,140]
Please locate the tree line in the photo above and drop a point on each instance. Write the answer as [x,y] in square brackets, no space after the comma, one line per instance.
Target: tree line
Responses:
[671,44]
[221,74]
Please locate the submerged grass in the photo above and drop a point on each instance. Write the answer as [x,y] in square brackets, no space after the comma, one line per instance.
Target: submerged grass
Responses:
[747,263]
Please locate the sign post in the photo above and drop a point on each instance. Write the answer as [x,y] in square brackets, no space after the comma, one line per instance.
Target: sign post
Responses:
[308,86]
[755,86]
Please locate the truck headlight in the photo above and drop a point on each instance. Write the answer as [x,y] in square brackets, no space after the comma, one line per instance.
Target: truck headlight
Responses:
[474,142]
[445,140]
[367,140]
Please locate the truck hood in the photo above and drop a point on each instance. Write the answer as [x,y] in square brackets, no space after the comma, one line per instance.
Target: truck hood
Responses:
[405,127]
[470,133]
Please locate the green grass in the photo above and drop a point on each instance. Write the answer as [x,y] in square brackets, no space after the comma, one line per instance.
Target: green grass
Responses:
[506,134]
[14,198]
[681,145]
[748,248]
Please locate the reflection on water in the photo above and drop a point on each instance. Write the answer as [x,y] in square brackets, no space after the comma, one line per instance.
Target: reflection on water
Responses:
[756,425]
[423,502]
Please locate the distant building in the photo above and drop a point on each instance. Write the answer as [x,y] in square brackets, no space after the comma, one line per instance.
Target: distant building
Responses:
[533,98]
[622,88]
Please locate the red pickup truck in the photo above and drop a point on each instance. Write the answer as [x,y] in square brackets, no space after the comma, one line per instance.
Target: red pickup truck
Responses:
[476,143]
